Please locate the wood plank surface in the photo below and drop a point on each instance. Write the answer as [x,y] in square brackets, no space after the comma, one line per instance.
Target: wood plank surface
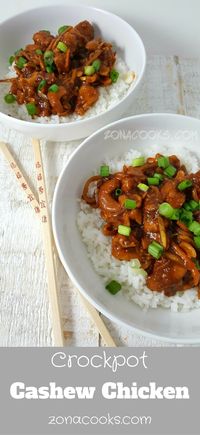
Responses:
[172,85]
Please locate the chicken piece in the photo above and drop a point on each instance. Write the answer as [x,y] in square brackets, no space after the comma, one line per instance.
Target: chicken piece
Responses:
[87,96]
[86,29]
[167,276]
[55,100]
[196,185]
[93,44]
[150,210]
[171,194]
[76,37]
[42,39]
[124,248]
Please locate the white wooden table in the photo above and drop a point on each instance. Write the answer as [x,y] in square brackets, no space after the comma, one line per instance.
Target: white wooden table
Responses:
[172,85]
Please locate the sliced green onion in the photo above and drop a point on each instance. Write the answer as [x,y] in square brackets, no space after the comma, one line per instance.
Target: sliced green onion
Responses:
[130,204]
[53,88]
[11,59]
[124,230]
[187,206]
[62,46]
[159,176]
[176,214]
[21,62]
[48,58]
[191,205]
[163,162]
[62,29]
[38,51]
[118,192]
[166,210]
[114,75]
[184,185]
[196,262]
[152,181]
[139,161]
[89,70]
[113,287]
[197,241]
[185,216]
[143,187]
[31,109]
[41,85]
[170,171]
[96,64]
[194,227]
[155,249]
[49,69]
[9,98]
[104,171]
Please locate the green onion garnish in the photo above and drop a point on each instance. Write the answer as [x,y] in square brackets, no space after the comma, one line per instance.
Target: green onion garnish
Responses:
[48,58]
[152,181]
[159,176]
[104,171]
[62,47]
[130,204]
[31,109]
[114,75]
[96,64]
[118,192]
[166,210]
[89,70]
[191,205]
[21,62]
[184,185]
[176,214]
[143,187]
[9,98]
[38,51]
[41,85]
[11,59]
[49,69]
[62,29]
[139,161]
[124,230]
[53,88]
[170,171]
[197,241]
[187,206]
[185,216]
[194,227]
[163,162]
[113,287]
[155,249]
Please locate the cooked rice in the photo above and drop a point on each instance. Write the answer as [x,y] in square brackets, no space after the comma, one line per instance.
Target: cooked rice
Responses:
[99,246]
[109,96]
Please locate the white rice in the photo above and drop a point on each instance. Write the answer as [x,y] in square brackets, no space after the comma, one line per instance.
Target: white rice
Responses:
[109,97]
[98,246]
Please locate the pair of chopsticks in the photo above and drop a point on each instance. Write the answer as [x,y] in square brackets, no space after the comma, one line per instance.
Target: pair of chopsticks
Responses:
[40,207]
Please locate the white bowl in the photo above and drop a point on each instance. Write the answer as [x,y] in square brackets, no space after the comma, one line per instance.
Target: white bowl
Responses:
[171,129]
[18,31]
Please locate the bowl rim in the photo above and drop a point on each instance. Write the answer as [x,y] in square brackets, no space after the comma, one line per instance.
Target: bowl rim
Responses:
[98,306]
[80,122]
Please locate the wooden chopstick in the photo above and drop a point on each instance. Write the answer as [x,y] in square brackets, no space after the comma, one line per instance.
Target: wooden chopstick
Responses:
[96,318]
[48,246]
